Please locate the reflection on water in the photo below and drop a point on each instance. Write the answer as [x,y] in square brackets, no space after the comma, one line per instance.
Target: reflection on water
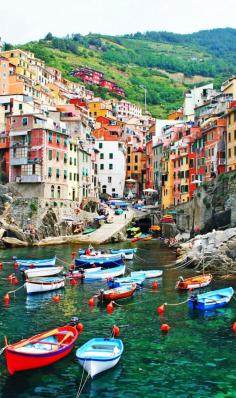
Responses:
[196,359]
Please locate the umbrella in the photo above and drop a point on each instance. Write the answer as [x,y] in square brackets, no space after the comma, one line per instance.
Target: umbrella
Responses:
[150,190]
[196,182]
[130,180]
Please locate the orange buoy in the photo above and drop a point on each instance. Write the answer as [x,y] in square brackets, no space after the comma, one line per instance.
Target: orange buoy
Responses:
[31,266]
[115,331]
[6,299]
[15,281]
[165,327]
[10,278]
[1,266]
[72,266]
[234,327]
[110,308]
[73,282]
[16,265]
[56,298]
[73,254]
[91,301]
[161,309]
[154,285]
[80,327]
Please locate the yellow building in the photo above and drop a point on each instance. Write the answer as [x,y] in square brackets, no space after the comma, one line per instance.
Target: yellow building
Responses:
[229,86]
[167,180]
[135,169]
[231,140]
[99,108]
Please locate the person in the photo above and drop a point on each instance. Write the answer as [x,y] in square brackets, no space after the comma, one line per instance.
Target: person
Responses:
[125,216]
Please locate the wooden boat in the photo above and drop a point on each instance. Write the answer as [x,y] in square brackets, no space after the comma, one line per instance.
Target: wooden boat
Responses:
[41,349]
[211,300]
[128,254]
[117,282]
[106,260]
[195,282]
[118,293]
[152,273]
[104,274]
[25,264]
[41,285]
[44,271]
[100,354]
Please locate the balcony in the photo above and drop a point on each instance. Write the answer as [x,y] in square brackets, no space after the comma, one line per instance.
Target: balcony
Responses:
[18,161]
[29,179]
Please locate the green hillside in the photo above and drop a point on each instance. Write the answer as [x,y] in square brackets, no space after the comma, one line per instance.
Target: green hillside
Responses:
[152,59]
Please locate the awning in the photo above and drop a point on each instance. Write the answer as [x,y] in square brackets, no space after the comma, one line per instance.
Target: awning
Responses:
[17,133]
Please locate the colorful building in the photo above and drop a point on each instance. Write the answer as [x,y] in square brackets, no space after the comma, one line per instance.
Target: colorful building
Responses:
[231,137]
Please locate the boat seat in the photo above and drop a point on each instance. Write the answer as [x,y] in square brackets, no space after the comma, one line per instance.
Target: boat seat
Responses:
[103,347]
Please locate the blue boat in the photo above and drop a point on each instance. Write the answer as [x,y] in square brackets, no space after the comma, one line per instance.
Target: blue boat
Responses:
[106,260]
[117,282]
[210,300]
[99,354]
[25,264]
[104,274]
[127,253]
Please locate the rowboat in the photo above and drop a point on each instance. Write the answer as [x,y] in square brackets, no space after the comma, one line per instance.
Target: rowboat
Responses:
[117,282]
[100,354]
[117,293]
[104,274]
[128,254]
[106,260]
[211,300]
[80,273]
[41,349]
[25,264]
[195,282]
[89,230]
[40,285]
[147,238]
[152,273]
[44,271]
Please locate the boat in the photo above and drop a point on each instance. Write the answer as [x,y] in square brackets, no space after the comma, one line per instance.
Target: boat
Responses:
[211,300]
[80,273]
[155,228]
[89,230]
[118,212]
[41,285]
[138,235]
[25,264]
[152,273]
[147,238]
[104,274]
[106,260]
[43,271]
[117,282]
[40,350]
[99,354]
[128,254]
[117,293]
[194,282]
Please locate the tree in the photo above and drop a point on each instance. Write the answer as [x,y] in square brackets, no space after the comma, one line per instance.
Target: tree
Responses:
[49,36]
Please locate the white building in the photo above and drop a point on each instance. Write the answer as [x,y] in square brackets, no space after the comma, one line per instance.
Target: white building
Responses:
[111,163]
[196,97]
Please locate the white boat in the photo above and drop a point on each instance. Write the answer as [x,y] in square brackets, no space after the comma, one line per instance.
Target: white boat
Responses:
[47,271]
[152,273]
[104,274]
[41,285]
[100,354]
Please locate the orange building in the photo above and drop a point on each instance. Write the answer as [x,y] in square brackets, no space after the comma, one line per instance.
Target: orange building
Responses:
[4,76]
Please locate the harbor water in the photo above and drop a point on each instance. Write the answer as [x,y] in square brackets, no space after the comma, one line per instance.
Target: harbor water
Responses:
[196,359]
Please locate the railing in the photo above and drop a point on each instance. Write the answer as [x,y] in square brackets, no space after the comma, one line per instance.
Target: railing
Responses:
[29,179]
[18,161]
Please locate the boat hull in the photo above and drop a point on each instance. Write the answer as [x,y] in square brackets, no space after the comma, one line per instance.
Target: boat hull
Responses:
[20,361]
[25,264]
[194,283]
[44,271]
[211,300]
[105,274]
[94,367]
[117,293]
[97,261]
[148,274]
[43,286]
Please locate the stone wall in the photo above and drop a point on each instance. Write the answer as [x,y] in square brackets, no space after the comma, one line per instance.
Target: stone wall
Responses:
[213,206]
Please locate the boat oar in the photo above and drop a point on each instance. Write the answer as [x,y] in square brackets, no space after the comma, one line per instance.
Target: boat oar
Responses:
[64,338]
[35,338]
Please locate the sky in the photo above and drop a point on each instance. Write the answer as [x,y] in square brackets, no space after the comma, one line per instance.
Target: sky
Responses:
[26,20]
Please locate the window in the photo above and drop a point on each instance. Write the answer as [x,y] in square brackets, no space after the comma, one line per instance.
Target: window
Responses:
[193,177]
[212,152]
[110,155]
[65,157]
[100,145]
[101,155]
[203,161]
[49,137]
[110,166]
[58,156]
[135,168]
[24,121]
[113,190]
[229,152]
[109,180]
[58,139]
[70,176]
[75,176]
[71,147]
[65,174]
[65,141]
[52,191]
[50,154]
[129,149]
[136,159]
[235,116]
[71,161]
[74,161]
[229,137]
[128,168]
[234,135]
[20,106]
[191,163]
[75,149]
[234,151]
[101,166]
[198,162]
[49,172]
[58,192]
[57,173]
[128,159]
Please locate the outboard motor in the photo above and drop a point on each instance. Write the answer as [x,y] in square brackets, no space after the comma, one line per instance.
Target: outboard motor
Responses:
[194,300]
[74,321]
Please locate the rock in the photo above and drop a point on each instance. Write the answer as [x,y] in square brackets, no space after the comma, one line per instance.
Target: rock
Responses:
[14,232]
[13,242]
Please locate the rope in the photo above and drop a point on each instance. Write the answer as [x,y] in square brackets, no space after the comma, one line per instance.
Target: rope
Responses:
[65,262]
[183,265]
[82,387]
[14,291]
[176,304]
[81,381]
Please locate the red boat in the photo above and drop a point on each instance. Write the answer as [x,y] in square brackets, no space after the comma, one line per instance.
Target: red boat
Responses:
[195,282]
[41,349]
[118,293]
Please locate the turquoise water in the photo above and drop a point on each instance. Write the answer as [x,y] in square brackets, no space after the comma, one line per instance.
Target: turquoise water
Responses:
[196,359]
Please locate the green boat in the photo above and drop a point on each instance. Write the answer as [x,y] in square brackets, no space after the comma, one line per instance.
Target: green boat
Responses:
[119,212]
[89,230]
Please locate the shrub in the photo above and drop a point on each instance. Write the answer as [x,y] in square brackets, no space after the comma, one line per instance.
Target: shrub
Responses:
[33,206]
